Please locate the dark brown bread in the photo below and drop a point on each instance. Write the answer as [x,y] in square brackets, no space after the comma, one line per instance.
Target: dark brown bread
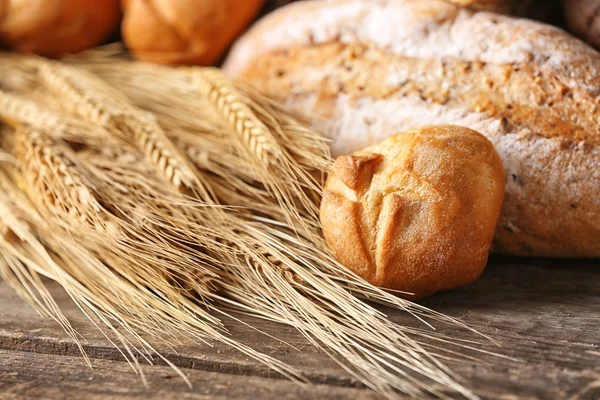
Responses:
[360,70]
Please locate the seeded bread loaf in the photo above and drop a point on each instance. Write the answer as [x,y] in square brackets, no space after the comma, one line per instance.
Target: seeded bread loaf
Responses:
[361,70]
[416,212]
[583,19]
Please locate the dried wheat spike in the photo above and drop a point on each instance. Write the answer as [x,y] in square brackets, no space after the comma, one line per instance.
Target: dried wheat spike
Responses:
[81,93]
[16,110]
[235,108]
[164,155]
[55,183]
[91,98]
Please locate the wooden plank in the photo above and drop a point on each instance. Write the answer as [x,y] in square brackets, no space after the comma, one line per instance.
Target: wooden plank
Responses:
[42,376]
[22,329]
[545,313]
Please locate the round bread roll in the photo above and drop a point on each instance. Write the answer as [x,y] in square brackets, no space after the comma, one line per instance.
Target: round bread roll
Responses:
[583,19]
[184,31]
[417,212]
[54,28]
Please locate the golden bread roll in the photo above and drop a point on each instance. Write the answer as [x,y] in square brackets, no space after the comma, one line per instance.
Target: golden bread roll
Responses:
[417,212]
[184,31]
[54,28]
[583,19]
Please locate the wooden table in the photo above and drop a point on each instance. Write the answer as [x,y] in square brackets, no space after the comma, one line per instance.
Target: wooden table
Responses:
[545,313]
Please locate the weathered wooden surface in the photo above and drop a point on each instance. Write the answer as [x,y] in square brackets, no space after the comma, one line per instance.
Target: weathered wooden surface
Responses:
[42,376]
[546,314]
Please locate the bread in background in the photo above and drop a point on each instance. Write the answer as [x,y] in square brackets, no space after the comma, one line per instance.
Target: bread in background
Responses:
[417,212]
[530,88]
[194,32]
[583,19]
[54,28]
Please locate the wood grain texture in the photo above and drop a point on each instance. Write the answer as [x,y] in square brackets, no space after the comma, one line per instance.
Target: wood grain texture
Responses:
[546,314]
[30,375]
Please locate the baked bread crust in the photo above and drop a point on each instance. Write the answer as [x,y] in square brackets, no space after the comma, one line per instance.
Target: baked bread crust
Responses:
[360,70]
[54,28]
[417,212]
[184,31]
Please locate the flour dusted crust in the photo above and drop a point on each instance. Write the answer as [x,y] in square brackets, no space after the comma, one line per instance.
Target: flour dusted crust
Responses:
[417,212]
[583,19]
[361,70]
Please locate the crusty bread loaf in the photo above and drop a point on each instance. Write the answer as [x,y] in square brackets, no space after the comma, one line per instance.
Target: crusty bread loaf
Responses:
[184,31]
[583,19]
[360,70]
[54,28]
[417,212]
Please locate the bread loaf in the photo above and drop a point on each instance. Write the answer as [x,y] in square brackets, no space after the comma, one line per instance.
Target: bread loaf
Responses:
[184,31]
[417,212]
[514,7]
[583,19]
[359,70]
[56,27]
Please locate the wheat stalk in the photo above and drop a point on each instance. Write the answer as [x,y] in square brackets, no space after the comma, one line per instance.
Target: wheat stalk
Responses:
[235,109]
[16,109]
[88,97]
[107,290]
[43,162]
[75,199]
[256,127]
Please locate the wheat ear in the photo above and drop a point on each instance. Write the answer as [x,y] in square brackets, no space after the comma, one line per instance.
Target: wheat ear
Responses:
[255,127]
[234,108]
[104,297]
[16,109]
[95,101]
[77,200]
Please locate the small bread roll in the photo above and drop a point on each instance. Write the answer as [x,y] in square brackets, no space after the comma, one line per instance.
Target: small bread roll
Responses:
[184,31]
[417,212]
[54,28]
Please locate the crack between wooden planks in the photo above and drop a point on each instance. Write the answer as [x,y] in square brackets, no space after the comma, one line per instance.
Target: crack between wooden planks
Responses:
[58,347]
